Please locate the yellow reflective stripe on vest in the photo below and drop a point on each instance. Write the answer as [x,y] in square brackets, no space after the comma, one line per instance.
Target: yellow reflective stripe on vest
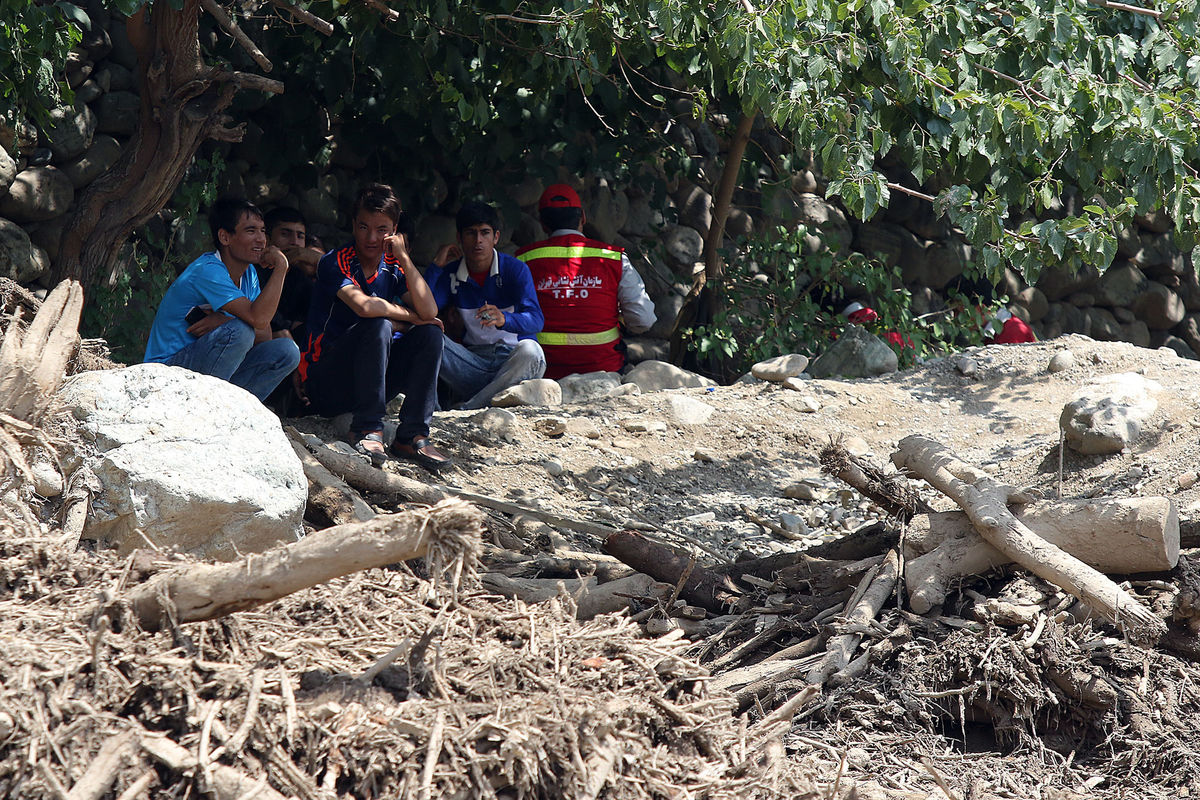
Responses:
[603,337]
[575,251]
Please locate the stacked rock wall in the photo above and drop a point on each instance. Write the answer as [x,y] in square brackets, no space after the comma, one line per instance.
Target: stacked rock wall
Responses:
[1150,296]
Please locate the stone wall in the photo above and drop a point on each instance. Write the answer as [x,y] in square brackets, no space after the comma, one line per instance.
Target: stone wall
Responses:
[1150,296]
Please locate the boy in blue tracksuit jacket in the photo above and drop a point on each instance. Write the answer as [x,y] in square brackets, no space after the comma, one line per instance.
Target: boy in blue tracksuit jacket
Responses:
[494,294]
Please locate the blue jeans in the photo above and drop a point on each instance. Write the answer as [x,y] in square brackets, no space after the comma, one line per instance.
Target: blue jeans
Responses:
[477,373]
[366,367]
[229,353]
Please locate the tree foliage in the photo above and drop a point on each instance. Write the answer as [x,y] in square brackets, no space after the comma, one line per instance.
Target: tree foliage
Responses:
[35,39]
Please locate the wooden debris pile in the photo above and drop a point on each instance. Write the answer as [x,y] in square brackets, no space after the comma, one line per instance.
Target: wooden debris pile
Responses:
[365,686]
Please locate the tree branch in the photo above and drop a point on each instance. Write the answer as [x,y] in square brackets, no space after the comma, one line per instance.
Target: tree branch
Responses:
[231,27]
[311,20]
[248,80]
[382,8]
[895,187]
[1149,12]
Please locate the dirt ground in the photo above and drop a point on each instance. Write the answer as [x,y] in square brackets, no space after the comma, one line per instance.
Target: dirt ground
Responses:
[696,480]
[626,462]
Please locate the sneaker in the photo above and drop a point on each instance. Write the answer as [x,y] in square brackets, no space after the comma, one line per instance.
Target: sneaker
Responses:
[421,451]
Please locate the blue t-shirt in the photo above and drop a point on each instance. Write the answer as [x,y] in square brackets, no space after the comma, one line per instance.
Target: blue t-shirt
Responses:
[205,282]
[328,316]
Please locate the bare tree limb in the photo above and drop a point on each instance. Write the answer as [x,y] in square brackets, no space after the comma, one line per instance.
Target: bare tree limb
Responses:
[226,22]
[311,20]
[382,8]
[1149,12]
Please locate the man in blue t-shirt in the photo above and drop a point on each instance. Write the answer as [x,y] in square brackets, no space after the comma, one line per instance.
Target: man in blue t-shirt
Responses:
[494,296]
[215,319]
[373,333]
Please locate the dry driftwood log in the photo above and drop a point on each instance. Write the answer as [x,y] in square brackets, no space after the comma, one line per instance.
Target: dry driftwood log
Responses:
[361,474]
[1119,536]
[890,492]
[33,362]
[701,586]
[329,493]
[221,782]
[861,609]
[591,597]
[986,502]
[204,591]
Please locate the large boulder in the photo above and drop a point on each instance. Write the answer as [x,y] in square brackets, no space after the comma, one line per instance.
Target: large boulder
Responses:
[20,260]
[8,170]
[655,376]
[857,353]
[69,131]
[97,160]
[187,462]
[1107,416]
[38,193]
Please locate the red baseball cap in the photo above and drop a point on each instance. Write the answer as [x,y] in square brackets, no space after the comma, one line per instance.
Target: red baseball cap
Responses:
[559,195]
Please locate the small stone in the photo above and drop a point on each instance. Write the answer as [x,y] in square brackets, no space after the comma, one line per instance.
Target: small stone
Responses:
[1187,480]
[1062,360]
[793,524]
[536,392]
[704,456]
[643,425]
[583,427]
[625,444]
[780,368]
[553,467]
[47,482]
[688,410]
[704,516]
[856,446]
[550,426]
[966,366]
[497,422]
[803,491]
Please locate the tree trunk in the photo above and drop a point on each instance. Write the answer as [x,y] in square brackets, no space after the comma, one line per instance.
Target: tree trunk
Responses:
[714,268]
[183,104]
[1122,536]
[986,502]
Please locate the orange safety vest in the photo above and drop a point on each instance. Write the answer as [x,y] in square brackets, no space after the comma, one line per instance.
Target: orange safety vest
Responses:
[577,279]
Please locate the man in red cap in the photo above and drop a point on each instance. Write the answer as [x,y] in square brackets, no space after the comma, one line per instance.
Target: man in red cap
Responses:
[587,290]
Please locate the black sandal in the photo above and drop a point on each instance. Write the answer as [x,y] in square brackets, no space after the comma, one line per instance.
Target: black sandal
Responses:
[377,457]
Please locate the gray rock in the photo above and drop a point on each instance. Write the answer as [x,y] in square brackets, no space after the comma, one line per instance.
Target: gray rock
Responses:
[47,235]
[646,348]
[1157,221]
[606,210]
[8,170]
[1107,416]
[588,386]
[683,244]
[582,426]
[1136,333]
[536,392]
[552,467]
[694,207]
[117,113]
[189,462]
[888,242]
[666,310]
[1157,250]
[1033,300]
[1061,361]
[706,140]
[38,193]
[97,160]
[857,353]
[1120,285]
[688,410]
[47,480]
[1189,330]
[1162,339]
[642,425]
[1101,324]
[655,376]
[1059,282]
[69,131]
[944,261]
[805,182]
[18,261]
[643,219]
[780,368]
[739,223]
[498,423]
[926,223]
[1159,307]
